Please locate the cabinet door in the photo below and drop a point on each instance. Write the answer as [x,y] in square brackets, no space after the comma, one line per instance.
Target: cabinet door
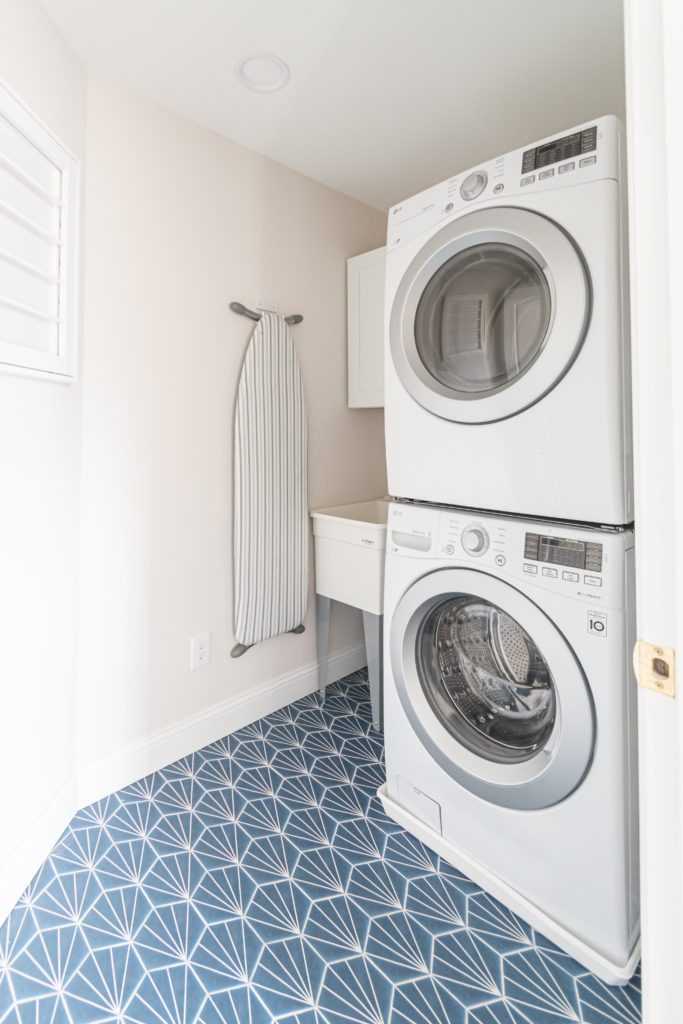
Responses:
[365,279]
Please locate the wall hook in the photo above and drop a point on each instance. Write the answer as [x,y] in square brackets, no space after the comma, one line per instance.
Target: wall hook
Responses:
[238,307]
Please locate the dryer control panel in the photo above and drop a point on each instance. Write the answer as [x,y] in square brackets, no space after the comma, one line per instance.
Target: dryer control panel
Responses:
[584,563]
[577,144]
[589,152]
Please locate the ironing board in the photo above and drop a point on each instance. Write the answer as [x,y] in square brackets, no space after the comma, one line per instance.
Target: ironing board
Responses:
[271,507]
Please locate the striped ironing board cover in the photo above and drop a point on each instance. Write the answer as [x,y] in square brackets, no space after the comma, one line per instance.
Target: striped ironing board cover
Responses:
[271,543]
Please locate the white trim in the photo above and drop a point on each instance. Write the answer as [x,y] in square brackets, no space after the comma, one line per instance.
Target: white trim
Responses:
[97,778]
[654,83]
[611,973]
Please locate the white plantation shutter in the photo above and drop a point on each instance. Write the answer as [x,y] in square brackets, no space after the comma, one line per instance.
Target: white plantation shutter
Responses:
[39,183]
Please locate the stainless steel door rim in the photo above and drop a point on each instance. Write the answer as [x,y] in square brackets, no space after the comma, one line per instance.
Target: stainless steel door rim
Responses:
[530,777]
[540,254]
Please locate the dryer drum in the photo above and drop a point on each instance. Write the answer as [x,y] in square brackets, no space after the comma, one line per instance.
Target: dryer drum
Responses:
[486,679]
[483,319]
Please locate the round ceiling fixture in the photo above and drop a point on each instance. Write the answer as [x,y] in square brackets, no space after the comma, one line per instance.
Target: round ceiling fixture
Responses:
[262,72]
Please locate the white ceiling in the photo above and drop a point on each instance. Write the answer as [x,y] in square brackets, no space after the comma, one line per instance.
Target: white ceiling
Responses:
[386,97]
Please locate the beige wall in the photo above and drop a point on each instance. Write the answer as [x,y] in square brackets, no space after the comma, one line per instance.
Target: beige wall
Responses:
[40,434]
[179,222]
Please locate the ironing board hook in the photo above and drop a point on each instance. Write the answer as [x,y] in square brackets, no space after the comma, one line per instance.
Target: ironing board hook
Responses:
[237,307]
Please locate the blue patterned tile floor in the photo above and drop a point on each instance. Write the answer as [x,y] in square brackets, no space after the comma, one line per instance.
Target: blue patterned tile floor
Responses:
[258,880]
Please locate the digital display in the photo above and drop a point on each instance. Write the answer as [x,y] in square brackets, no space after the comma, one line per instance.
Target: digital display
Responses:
[562,552]
[560,149]
[568,142]
[575,554]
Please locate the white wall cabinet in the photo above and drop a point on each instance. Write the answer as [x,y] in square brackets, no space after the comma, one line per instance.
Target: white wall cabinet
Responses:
[365,282]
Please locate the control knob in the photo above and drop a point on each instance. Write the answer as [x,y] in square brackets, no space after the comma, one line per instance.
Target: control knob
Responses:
[474,184]
[475,540]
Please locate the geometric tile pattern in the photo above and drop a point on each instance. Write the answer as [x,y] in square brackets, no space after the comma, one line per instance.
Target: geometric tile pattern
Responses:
[258,880]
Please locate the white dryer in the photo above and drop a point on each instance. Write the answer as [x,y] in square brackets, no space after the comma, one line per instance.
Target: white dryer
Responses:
[510,716]
[507,371]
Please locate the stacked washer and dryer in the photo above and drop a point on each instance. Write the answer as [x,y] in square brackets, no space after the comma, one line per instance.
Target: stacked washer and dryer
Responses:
[509,696]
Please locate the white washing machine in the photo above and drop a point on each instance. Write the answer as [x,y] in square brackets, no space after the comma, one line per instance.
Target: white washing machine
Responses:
[510,716]
[507,370]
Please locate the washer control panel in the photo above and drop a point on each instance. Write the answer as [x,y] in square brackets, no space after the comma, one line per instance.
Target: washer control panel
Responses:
[584,564]
[565,551]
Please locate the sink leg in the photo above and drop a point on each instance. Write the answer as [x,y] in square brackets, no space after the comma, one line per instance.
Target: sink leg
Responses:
[373,628]
[322,637]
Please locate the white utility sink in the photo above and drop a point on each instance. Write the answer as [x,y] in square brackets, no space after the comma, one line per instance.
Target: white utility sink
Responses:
[350,543]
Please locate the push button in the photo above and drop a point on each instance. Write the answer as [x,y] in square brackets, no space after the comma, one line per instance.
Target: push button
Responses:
[533,569]
[546,174]
[587,160]
[566,167]
[571,577]
[550,572]
[592,581]
[500,559]
[529,180]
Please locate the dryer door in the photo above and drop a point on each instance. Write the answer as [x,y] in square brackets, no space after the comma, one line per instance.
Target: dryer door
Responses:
[492,688]
[490,315]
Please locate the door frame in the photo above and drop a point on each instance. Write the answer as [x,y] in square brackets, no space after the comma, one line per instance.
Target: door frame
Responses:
[654,83]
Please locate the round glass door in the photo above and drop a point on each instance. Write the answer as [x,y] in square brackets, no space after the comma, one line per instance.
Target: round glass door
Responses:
[482,319]
[489,315]
[486,679]
[491,688]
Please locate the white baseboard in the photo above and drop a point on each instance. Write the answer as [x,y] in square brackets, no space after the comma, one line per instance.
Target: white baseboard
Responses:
[104,775]
[98,778]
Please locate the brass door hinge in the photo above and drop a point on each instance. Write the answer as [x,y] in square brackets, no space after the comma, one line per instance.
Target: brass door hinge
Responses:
[654,668]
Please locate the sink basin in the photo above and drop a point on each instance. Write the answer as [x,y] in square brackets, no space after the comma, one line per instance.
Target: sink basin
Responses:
[350,541]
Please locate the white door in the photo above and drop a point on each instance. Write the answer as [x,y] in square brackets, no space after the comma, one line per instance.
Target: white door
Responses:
[654,85]
[489,315]
[492,688]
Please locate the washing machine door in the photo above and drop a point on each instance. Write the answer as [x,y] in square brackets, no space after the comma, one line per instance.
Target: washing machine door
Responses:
[492,688]
[490,315]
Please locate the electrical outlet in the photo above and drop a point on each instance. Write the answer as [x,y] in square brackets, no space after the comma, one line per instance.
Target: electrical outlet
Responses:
[200,650]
